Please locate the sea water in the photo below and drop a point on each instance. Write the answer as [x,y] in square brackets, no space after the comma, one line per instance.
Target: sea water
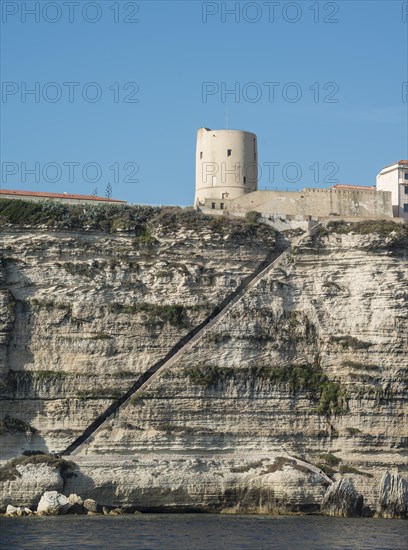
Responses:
[202,531]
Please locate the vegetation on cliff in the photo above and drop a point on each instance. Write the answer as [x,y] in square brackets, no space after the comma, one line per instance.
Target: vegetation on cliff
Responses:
[139,220]
[9,471]
[384,228]
[329,395]
[391,234]
[12,425]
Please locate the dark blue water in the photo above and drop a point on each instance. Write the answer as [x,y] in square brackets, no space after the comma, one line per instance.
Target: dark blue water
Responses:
[201,532]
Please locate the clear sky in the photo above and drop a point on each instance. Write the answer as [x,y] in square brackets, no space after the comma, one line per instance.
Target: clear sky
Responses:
[120,89]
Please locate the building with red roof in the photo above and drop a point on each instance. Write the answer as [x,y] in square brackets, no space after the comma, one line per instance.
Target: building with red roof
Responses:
[69,198]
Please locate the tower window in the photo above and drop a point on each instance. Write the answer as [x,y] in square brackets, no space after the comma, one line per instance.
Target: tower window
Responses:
[222,206]
[244,180]
[213,205]
[201,155]
[229,152]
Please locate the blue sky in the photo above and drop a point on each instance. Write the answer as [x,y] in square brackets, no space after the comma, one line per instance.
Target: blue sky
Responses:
[336,70]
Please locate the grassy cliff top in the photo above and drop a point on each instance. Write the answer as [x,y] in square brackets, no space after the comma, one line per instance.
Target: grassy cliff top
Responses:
[136,219]
[139,219]
[387,235]
[384,228]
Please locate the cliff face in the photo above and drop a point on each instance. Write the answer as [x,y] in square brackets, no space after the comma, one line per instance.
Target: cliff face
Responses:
[85,313]
[306,375]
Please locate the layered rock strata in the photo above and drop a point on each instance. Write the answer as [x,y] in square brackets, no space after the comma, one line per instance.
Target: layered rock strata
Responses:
[303,382]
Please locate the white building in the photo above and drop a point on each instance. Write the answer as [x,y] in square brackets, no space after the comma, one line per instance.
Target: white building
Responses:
[226,165]
[394,178]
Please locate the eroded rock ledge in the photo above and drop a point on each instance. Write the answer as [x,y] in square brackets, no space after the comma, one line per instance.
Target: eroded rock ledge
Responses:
[274,485]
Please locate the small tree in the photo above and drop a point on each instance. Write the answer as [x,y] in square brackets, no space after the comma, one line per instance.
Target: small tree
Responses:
[108,192]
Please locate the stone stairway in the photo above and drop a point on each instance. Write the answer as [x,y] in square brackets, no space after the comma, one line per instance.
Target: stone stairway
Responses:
[283,249]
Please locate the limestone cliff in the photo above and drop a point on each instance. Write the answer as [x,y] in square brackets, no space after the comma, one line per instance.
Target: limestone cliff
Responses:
[301,382]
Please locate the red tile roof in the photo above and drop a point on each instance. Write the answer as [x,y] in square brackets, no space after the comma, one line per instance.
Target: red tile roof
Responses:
[347,186]
[46,195]
[403,162]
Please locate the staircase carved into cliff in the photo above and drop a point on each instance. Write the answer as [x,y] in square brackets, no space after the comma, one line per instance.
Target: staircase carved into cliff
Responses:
[273,260]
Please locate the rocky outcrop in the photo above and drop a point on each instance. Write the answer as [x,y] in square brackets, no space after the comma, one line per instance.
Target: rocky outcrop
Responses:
[53,503]
[393,496]
[29,484]
[309,366]
[90,505]
[342,500]
[19,511]
[76,505]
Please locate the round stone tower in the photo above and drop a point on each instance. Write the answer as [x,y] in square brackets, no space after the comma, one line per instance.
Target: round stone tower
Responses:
[226,164]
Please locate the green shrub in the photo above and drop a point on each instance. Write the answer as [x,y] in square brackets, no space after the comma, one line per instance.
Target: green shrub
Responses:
[99,393]
[332,399]
[136,399]
[12,424]
[49,304]
[171,218]
[344,469]
[47,374]
[208,375]
[350,342]
[330,459]
[253,217]
[83,269]
[299,377]
[145,239]
[330,395]
[332,285]
[124,374]
[18,211]
[247,466]
[157,314]
[328,470]
[101,336]
[164,274]
[358,365]
[169,428]
[353,431]
[218,337]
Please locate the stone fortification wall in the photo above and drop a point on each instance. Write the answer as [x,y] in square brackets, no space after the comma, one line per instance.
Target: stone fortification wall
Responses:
[314,203]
